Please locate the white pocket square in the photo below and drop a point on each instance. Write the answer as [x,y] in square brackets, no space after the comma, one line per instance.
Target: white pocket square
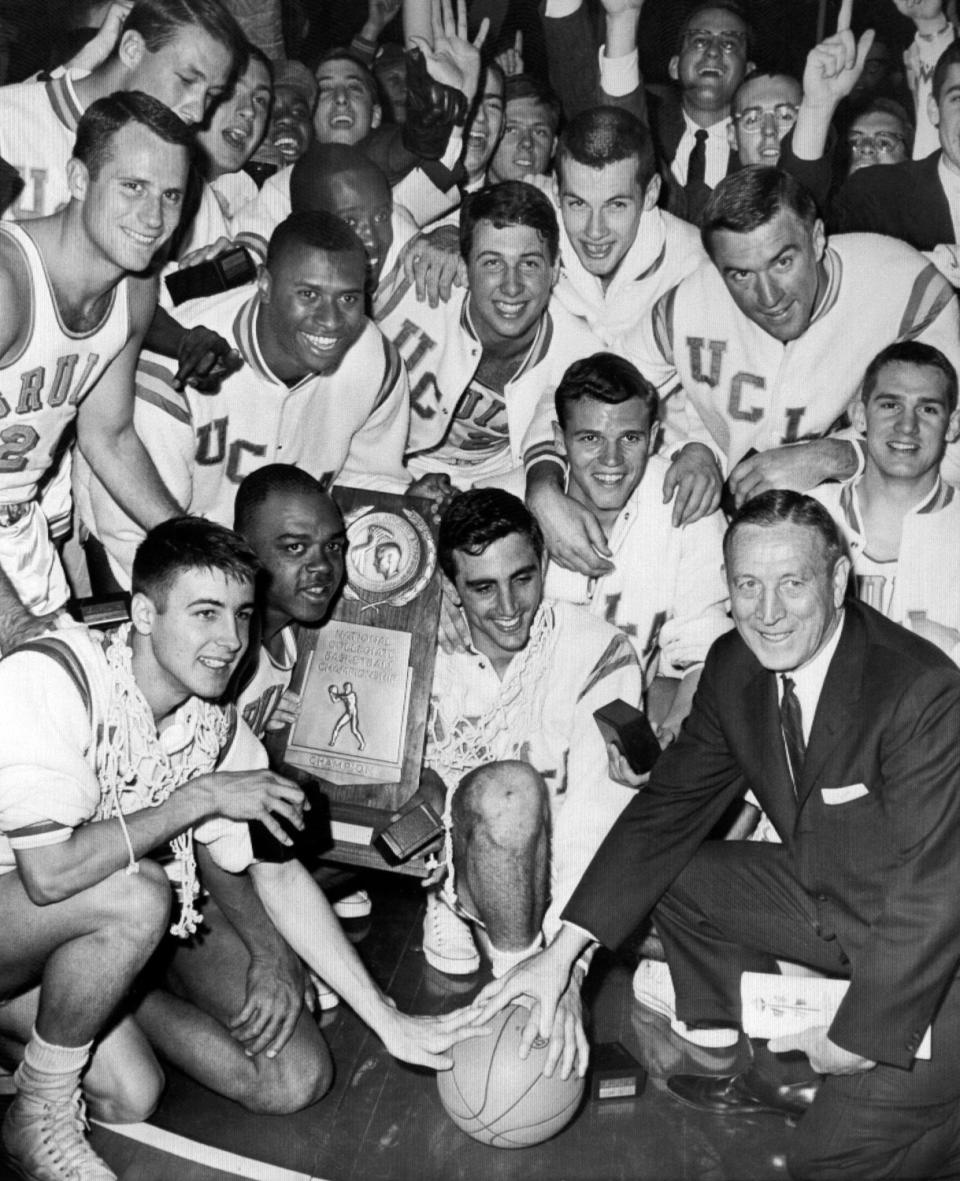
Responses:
[843,795]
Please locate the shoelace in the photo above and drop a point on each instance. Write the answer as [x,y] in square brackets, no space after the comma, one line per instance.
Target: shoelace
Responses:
[64,1134]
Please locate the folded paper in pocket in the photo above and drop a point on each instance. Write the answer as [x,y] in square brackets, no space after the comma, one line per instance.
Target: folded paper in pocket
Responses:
[843,795]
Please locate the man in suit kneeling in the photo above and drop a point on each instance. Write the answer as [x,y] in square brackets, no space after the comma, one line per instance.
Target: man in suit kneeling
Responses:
[844,726]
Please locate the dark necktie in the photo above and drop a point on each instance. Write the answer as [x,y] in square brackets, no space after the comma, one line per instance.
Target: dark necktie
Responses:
[696,187]
[791,722]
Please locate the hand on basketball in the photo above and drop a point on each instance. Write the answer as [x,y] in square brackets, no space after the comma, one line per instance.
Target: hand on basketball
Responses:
[275,992]
[826,1057]
[568,1046]
[541,981]
[694,482]
[425,1040]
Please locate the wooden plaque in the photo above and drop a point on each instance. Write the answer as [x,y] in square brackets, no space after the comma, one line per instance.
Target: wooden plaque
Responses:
[365,675]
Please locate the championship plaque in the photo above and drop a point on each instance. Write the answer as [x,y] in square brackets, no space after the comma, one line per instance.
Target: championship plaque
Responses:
[364,676]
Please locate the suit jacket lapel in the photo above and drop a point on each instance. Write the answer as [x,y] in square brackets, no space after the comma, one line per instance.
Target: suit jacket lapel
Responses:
[841,692]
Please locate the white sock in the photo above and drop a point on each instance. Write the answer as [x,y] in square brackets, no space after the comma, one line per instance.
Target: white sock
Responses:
[50,1071]
[502,961]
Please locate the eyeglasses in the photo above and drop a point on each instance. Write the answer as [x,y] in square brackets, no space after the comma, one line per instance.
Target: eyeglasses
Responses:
[701,40]
[784,114]
[884,143]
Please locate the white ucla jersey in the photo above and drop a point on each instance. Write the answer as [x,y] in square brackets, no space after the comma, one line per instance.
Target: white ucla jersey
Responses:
[666,591]
[920,586]
[38,127]
[442,353]
[541,710]
[261,695]
[348,428]
[726,382]
[43,383]
[665,250]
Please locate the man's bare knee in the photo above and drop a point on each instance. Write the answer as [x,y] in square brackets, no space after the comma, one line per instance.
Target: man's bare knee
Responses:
[134,1098]
[508,800]
[137,903]
[289,1083]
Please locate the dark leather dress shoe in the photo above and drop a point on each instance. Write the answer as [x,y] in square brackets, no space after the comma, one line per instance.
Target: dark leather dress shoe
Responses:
[749,1093]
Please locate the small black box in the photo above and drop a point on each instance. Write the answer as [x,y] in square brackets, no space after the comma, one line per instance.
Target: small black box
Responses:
[630,732]
[615,1073]
[307,844]
[406,836]
[233,268]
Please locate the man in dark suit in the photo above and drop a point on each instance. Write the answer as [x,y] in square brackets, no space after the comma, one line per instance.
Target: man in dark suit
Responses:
[845,727]
[912,200]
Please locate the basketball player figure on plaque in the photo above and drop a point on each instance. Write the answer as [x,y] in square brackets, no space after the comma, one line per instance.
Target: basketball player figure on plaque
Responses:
[349,717]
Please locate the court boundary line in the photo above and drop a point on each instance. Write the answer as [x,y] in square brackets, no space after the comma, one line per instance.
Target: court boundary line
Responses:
[205,1154]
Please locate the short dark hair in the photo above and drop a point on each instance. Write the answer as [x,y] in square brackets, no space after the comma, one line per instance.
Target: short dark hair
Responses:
[476,519]
[755,74]
[323,161]
[732,6]
[949,57]
[189,543]
[605,135]
[752,197]
[160,21]
[889,106]
[528,86]
[274,478]
[781,506]
[911,352]
[255,53]
[343,54]
[100,122]
[607,378]
[317,230]
[510,203]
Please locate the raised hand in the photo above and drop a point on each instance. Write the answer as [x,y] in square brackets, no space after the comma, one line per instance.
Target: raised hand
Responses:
[510,60]
[453,59]
[834,66]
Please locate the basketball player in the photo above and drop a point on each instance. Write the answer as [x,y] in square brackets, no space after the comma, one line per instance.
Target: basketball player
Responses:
[350,716]
[899,519]
[70,331]
[296,530]
[133,754]
[736,349]
[320,387]
[182,54]
[480,363]
[512,735]
[666,591]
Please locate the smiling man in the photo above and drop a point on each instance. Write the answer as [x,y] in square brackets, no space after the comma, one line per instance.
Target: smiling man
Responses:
[320,388]
[518,832]
[901,522]
[71,327]
[666,589]
[480,363]
[183,55]
[743,338]
[531,120]
[136,760]
[347,108]
[844,726]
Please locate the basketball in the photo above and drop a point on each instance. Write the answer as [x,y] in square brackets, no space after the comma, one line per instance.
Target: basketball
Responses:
[501,1099]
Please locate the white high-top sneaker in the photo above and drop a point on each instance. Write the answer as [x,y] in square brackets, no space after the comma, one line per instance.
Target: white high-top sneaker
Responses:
[447,940]
[46,1140]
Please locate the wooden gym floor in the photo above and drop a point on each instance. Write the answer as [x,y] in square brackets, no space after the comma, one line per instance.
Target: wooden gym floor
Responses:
[383,1120]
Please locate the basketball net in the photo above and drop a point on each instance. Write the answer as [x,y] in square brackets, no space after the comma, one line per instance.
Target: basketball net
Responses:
[457,744]
[135,771]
